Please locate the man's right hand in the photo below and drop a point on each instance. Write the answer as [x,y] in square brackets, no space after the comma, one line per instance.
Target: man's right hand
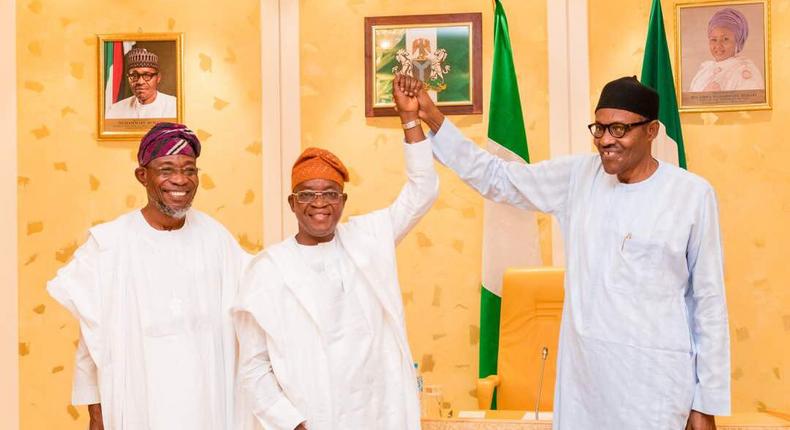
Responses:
[96,422]
[301,426]
[410,96]
[428,112]
[404,89]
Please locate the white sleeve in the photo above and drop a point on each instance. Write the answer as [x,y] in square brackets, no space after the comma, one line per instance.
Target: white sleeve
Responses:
[708,307]
[76,287]
[257,381]
[541,186]
[420,191]
[85,387]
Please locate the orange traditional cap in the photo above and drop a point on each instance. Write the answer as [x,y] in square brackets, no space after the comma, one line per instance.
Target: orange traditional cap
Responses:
[317,163]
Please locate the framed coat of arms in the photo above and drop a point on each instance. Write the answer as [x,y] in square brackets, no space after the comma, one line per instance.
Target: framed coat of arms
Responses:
[443,51]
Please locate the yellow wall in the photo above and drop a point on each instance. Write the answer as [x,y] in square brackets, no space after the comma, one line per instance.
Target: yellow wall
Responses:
[69,181]
[744,155]
[440,259]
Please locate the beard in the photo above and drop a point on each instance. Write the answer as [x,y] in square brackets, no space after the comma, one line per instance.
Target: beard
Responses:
[172,213]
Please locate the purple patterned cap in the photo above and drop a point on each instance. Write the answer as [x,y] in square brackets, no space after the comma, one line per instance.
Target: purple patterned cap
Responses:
[167,138]
[731,19]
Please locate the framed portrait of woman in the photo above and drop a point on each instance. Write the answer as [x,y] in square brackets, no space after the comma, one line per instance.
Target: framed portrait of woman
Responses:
[723,55]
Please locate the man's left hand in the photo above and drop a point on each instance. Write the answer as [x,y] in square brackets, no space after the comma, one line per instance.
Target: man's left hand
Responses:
[699,421]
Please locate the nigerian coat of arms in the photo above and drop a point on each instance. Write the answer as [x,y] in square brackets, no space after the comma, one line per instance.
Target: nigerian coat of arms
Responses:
[424,64]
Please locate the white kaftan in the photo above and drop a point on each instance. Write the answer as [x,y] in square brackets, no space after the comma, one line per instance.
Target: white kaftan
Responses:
[732,74]
[157,346]
[163,106]
[321,331]
[644,336]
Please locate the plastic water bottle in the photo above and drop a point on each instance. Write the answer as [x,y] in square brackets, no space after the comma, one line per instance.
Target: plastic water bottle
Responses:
[420,382]
[420,389]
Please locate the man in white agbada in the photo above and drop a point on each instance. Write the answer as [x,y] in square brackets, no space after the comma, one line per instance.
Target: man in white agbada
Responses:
[644,341]
[152,291]
[729,70]
[320,324]
[146,101]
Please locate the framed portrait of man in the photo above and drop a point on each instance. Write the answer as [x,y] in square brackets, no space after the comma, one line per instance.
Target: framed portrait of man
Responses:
[444,51]
[140,83]
[723,55]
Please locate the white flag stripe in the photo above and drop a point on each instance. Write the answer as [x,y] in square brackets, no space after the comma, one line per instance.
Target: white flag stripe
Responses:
[510,234]
[664,147]
[108,92]
[412,35]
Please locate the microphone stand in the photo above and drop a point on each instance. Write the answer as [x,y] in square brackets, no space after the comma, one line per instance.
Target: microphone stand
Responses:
[544,354]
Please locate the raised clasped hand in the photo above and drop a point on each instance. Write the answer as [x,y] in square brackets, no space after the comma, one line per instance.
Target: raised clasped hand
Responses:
[404,93]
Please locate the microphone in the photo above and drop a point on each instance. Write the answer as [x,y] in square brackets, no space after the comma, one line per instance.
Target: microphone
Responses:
[544,354]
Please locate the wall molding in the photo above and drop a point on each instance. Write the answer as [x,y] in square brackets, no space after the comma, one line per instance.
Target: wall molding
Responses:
[569,89]
[280,113]
[9,275]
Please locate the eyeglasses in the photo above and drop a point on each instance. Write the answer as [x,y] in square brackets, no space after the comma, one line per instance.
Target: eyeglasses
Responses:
[167,172]
[309,196]
[134,76]
[616,129]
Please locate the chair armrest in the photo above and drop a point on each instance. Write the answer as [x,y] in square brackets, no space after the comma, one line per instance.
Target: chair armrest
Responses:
[485,391]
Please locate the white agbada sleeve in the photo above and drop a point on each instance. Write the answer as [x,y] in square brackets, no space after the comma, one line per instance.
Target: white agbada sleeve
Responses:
[85,387]
[420,191]
[541,186]
[76,288]
[707,302]
[271,407]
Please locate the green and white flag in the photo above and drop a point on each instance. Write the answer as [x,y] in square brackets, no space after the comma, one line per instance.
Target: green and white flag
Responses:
[510,235]
[657,74]
[116,87]
[437,55]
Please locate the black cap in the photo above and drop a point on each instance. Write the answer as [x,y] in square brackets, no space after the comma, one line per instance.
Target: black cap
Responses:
[627,93]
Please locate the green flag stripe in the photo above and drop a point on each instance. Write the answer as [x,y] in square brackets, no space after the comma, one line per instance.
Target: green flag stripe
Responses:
[108,56]
[490,306]
[456,41]
[505,118]
[383,77]
[657,74]
[506,128]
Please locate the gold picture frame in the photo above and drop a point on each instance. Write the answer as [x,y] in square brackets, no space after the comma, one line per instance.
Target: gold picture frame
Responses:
[723,55]
[126,110]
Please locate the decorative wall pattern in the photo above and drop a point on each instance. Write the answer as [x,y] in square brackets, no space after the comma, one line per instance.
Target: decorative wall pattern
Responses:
[69,181]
